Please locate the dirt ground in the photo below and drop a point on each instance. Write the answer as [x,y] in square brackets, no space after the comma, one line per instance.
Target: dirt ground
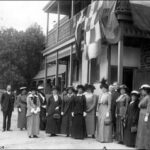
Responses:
[17,139]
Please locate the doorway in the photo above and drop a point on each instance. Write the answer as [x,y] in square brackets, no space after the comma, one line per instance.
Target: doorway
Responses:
[127,76]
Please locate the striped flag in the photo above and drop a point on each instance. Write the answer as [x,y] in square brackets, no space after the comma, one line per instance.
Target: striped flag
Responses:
[92,29]
[79,31]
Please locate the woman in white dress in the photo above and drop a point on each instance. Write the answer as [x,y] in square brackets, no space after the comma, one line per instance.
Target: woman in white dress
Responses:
[104,126]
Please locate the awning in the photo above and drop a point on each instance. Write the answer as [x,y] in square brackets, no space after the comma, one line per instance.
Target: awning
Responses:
[141,14]
[51,71]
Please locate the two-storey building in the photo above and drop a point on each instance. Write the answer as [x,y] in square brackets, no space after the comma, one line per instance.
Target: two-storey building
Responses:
[126,61]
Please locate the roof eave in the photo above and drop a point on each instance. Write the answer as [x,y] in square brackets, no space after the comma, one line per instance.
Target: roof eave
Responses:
[50,4]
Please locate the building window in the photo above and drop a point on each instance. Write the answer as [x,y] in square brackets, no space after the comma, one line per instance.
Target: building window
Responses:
[95,71]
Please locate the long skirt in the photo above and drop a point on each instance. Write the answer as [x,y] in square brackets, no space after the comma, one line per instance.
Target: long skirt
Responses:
[53,125]
[103,132]
[43,119]
[119,129]
[66,124]
[33,124]
[147,140]
[142,130]
[78,130]
[22,121]
[129,137]
[90,121]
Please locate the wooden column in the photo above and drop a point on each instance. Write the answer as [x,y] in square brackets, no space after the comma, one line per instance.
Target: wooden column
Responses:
[47,30]
[45,79]
[120,56]
[57,63]
[71,50]
[71,62]
[89,72]
[57,68]
[109,63]
[58,21]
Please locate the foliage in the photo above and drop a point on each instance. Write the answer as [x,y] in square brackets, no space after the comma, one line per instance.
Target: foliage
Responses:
[20,55]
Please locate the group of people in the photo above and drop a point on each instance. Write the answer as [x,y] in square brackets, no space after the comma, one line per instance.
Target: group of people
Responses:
[79,113]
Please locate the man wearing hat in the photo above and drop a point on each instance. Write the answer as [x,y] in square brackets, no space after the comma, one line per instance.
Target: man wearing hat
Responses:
[115,94]
[22,108]
[7,106]
[42,99]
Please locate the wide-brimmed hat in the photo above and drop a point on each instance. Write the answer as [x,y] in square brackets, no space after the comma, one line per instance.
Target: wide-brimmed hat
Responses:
[103,84]
[55,88]
[33,88]
[89,87]
[80,87]
[40,87]
[145,86]
[23,88]
[123,86]
[136,93]
[70,88]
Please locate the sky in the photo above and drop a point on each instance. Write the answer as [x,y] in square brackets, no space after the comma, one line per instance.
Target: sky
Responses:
[22,14]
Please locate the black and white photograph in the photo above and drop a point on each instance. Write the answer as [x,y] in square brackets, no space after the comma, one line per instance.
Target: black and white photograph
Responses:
[75,74]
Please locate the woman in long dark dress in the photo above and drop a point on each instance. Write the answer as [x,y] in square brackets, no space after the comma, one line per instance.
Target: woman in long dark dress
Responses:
[22,108]
[131,120]
[66,110]
[42,99]
[91,101]
[121,108]
[78,130]
[142,126]
[53,113]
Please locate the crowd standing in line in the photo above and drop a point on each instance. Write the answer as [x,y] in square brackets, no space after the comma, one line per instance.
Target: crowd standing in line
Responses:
[115,114]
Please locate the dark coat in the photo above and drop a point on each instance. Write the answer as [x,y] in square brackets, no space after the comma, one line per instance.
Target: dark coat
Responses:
[53,125]
[78,130]
[66,118]
[79,105]
[7,102]
[132,116]
[51,105]
[43,111]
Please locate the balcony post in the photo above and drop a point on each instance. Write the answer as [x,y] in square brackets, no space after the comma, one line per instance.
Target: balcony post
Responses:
[58,21]
[45,79]
[47,28]
[57,68]
[120,56]
[72,8]
[89,72]
[70,71]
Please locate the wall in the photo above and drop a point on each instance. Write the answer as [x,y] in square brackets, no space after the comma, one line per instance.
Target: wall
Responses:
[131,56]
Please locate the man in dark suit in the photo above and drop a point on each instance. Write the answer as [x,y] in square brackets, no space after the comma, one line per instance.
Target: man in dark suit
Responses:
[7,106]
[115,95]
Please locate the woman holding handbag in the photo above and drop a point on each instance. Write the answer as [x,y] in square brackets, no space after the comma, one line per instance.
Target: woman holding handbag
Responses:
[104,126]
[53,113]
[131,120]
[142,123]
[33,114]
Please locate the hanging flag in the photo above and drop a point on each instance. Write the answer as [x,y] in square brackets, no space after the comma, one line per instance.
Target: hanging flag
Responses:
[141,14]
[109,22]
[92,34]
[79,31]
